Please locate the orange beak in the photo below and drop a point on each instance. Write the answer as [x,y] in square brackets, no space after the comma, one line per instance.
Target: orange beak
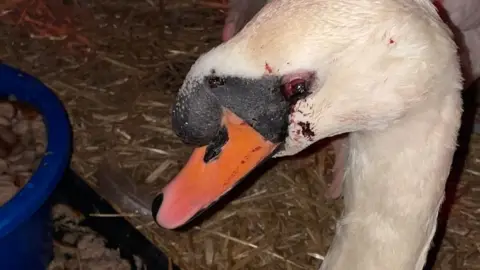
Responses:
[200,183]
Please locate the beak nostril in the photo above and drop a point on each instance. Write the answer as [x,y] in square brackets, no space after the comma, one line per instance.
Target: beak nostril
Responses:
[156,204]
[215,146]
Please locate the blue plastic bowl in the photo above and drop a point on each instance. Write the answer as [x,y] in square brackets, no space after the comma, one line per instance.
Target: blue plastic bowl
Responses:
[25,221]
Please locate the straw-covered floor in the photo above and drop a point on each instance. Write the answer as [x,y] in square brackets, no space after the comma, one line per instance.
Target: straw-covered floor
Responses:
[117,74]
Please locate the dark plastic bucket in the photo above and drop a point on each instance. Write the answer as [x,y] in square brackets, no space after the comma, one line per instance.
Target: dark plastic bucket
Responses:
[25,221]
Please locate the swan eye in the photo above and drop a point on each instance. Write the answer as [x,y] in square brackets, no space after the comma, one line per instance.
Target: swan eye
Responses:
[295,89]
[214,82]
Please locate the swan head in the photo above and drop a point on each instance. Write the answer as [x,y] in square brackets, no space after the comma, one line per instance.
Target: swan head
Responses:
[276,88]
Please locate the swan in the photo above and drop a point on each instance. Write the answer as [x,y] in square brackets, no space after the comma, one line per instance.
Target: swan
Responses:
[463,16]
[386,72]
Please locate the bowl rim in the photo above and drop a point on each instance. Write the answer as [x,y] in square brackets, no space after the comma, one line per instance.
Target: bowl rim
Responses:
[52,167]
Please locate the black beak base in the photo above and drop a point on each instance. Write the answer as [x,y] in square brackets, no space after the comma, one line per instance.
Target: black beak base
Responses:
[197,113]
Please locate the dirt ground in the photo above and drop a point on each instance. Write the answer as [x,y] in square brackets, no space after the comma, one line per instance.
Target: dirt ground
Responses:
[117,74]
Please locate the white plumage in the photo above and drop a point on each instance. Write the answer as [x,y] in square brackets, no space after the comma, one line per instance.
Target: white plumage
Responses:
[388,73]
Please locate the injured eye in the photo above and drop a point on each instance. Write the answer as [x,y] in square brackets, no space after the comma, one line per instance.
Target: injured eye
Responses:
[295,89]
[214,82]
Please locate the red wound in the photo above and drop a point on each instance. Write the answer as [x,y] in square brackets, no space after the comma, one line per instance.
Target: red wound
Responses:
[268,68]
